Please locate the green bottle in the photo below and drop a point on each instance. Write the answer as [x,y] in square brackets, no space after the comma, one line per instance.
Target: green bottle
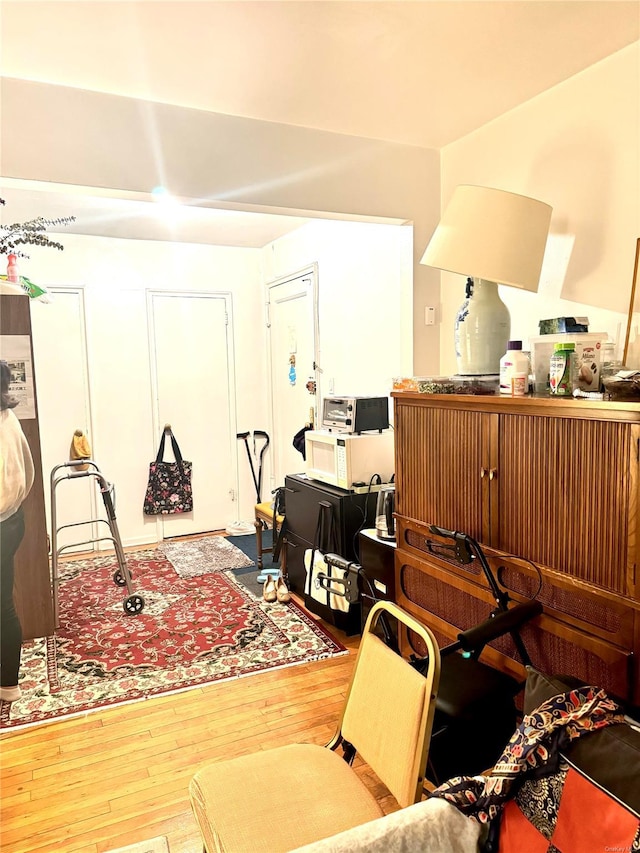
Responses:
[561,370]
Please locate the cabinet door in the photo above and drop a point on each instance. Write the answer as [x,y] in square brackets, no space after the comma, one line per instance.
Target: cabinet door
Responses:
[567,495]
[443,464]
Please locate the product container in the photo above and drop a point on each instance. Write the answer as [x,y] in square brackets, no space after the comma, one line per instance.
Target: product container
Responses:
[405,383]
[562,372]
[588,350]
[563,324]
[622,387]
[458,384]
[514,363]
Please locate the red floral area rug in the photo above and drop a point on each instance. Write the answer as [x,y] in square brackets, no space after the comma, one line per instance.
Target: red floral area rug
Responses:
[192,631]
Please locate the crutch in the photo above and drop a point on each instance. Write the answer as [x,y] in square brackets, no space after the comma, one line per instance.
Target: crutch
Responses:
[257,478]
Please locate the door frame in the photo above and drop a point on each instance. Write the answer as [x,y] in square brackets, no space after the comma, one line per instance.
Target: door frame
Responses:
[311,272]
[227,298]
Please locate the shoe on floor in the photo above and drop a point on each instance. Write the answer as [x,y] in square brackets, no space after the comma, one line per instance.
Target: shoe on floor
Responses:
[269,590]
[10,694]
[282,591]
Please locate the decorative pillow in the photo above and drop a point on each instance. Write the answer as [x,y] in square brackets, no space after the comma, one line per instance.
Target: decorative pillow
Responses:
[611,756]
[567,813]
[540,687]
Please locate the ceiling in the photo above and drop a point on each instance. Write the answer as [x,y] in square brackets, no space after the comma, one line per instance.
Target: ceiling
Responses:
[134,219]
[418,72]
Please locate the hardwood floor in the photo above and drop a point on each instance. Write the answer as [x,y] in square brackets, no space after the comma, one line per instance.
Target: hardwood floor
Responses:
[112,778]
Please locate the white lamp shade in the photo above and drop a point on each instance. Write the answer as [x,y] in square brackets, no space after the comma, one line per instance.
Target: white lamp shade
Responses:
[491,234]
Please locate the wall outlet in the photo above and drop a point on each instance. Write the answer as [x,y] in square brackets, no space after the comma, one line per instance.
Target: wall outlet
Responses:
[429,316]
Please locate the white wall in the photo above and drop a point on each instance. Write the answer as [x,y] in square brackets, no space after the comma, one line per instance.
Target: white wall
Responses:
[101,140]
[364,299]
[576,147]
[115,275]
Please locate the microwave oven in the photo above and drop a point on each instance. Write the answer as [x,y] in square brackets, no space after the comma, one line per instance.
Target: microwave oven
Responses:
[355,414]
[348,461]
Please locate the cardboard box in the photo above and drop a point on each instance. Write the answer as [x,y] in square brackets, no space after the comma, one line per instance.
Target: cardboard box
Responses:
[587,359]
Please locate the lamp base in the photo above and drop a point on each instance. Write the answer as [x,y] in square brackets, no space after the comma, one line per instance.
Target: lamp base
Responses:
[482,330]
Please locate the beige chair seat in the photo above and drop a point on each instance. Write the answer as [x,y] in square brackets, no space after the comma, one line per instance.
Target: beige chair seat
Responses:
[280,799]
[291,812]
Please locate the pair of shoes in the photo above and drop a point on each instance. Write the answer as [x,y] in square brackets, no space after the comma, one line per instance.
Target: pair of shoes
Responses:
[10,694]
[282,591]
[269,590]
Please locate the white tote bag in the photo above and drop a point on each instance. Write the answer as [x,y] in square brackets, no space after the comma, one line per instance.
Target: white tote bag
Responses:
[315,565]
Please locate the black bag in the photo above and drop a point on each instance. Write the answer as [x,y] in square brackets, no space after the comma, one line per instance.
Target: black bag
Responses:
[325,592]
[333,608]
[169,485]
[298,441]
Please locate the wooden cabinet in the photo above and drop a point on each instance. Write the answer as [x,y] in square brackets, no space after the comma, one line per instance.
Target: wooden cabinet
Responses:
[550,489]
[32,590]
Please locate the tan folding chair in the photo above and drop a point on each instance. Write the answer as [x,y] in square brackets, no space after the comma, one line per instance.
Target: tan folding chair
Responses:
[280,799]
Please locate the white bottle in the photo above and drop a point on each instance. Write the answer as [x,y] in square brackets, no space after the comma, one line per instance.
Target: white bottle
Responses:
[514,367]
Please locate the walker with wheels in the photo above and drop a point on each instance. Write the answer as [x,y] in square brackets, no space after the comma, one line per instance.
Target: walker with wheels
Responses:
[73,470]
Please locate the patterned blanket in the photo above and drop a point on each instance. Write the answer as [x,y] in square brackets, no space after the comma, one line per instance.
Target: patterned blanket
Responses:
[534,750]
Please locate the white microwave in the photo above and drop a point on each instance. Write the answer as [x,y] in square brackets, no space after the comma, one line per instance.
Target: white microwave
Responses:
[348,461]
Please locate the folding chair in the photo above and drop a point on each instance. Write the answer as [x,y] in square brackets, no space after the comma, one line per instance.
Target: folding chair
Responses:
[280,799]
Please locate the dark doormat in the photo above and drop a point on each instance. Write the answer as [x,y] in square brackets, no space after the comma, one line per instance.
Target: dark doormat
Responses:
[249,579]
[247,544]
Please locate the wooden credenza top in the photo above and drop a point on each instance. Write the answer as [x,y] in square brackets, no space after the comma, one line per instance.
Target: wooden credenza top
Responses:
[542,406]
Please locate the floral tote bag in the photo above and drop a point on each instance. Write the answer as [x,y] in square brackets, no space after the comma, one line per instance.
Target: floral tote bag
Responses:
[169,484]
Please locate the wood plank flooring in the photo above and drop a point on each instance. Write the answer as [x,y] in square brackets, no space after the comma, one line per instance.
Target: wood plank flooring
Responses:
[112,778]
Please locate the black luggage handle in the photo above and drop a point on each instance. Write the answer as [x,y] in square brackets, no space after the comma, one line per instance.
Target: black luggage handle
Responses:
[501,622]
[349,581]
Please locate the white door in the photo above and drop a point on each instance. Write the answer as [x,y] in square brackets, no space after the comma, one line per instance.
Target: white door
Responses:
[192,380]
[293,353]
[62,386]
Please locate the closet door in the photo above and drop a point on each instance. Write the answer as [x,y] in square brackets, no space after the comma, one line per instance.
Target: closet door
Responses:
[59,345]
[192,380]
[292,336]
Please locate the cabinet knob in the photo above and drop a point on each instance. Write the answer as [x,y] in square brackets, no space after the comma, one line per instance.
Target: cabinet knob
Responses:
[493,473]
[483,473]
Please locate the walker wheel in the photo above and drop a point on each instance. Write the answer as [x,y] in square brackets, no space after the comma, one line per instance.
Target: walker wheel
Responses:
[133,604]
[119,578]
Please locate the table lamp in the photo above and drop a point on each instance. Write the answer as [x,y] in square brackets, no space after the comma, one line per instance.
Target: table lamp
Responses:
[493,237]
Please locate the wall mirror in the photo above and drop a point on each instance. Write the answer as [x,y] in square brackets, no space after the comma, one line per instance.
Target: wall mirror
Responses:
[631,354]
